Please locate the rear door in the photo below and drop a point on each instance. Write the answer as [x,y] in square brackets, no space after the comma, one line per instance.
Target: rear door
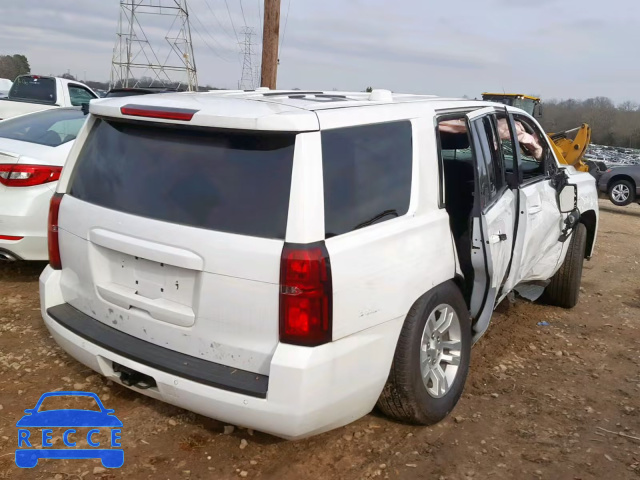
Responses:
[493,218]
[174,236]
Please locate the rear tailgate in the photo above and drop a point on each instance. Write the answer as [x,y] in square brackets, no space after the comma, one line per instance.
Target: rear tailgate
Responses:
[174,236]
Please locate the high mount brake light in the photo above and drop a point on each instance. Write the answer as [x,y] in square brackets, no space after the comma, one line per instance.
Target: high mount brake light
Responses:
[164,113]
[306,295]
[52,232]
[28,175]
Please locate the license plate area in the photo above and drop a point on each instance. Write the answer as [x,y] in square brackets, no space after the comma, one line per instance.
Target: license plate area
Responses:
[153,280]
[164,292]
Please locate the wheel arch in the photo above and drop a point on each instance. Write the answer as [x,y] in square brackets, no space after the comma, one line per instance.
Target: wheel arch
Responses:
[621,176]
[590,220]
[458,280]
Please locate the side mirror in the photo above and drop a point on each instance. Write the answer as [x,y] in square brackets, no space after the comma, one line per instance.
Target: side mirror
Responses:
[568,198]
[29,411]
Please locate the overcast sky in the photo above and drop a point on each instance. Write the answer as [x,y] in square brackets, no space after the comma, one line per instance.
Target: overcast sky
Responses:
[554,48]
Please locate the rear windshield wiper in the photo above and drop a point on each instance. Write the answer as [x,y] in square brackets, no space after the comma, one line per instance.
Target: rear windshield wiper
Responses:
[380,216]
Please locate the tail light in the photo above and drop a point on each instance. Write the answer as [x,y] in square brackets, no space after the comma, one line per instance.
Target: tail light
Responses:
[306,295]
[28,175]
[52,232]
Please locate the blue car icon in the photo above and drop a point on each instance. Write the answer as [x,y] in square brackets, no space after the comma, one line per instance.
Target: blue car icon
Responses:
[69,419]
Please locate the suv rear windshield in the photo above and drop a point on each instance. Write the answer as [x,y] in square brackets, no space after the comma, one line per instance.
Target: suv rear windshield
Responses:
[219,180]
[34,88]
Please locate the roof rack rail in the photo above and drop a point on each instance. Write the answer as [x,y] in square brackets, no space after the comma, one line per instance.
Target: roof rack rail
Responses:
[291,92]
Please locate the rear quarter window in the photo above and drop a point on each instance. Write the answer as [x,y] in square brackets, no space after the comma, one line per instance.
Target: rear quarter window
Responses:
[367,175]
[218,180]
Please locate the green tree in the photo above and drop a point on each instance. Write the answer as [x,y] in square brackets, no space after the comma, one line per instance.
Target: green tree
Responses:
[12,66]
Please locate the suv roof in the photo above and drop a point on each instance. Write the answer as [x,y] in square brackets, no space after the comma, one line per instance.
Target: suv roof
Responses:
[264,109]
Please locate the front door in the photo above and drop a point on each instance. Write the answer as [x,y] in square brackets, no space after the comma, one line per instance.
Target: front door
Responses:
[540,224]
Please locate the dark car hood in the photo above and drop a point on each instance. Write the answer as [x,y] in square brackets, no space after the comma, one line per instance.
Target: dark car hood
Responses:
[69,418]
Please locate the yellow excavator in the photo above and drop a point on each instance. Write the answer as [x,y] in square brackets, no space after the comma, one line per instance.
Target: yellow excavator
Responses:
[570,146]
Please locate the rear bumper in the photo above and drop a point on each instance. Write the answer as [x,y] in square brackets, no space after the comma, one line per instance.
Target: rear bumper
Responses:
[309,390]
[23,213]
[29,248]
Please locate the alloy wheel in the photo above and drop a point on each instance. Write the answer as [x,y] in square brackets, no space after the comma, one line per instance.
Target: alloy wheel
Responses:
[440,350]
[620,193]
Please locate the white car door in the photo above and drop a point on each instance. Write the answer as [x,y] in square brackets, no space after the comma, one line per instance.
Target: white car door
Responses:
[494,216]
[540,225]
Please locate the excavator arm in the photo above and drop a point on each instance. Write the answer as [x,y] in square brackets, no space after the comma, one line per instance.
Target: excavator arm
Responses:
[572,151]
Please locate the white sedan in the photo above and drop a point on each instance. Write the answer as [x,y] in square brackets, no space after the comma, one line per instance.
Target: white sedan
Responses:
[33,150]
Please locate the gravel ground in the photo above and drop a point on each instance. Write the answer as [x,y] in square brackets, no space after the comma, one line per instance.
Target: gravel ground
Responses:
[553,402]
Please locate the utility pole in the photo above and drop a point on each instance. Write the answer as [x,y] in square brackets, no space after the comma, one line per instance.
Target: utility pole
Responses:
[270,40]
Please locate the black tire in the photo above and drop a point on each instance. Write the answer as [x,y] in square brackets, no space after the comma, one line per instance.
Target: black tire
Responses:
[622,184]
[405,397]
[564,289]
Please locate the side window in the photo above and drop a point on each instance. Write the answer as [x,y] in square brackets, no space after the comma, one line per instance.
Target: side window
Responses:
[534,150]
[79,95]
[496,159]
[506,143]
[367,175]
[491,162]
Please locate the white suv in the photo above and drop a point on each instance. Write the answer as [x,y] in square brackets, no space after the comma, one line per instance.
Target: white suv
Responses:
[286,261]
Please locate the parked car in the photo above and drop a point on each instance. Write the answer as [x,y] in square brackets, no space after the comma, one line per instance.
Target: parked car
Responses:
[285,261]
[32,93]
[33,149]
[5,86]
[621,184]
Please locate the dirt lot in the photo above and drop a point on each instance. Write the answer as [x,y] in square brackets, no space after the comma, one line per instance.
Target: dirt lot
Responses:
[548,402]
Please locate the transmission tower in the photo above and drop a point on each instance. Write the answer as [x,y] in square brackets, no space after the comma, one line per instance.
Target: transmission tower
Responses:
[247,80]
[136,61]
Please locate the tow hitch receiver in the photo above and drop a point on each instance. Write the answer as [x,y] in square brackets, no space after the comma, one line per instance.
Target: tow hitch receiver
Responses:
[131,378]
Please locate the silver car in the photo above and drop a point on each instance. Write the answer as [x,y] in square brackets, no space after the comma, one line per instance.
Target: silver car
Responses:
[621,184]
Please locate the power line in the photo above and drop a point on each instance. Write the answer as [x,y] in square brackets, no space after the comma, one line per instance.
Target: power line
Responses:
[218,20]
[242,10]
[206,30]
[207,43]
[231,18]
[286,20]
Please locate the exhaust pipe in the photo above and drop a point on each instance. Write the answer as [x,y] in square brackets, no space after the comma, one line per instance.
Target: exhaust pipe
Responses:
[7,257]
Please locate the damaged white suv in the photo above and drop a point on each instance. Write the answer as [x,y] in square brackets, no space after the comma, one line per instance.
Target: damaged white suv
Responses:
[286,261]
